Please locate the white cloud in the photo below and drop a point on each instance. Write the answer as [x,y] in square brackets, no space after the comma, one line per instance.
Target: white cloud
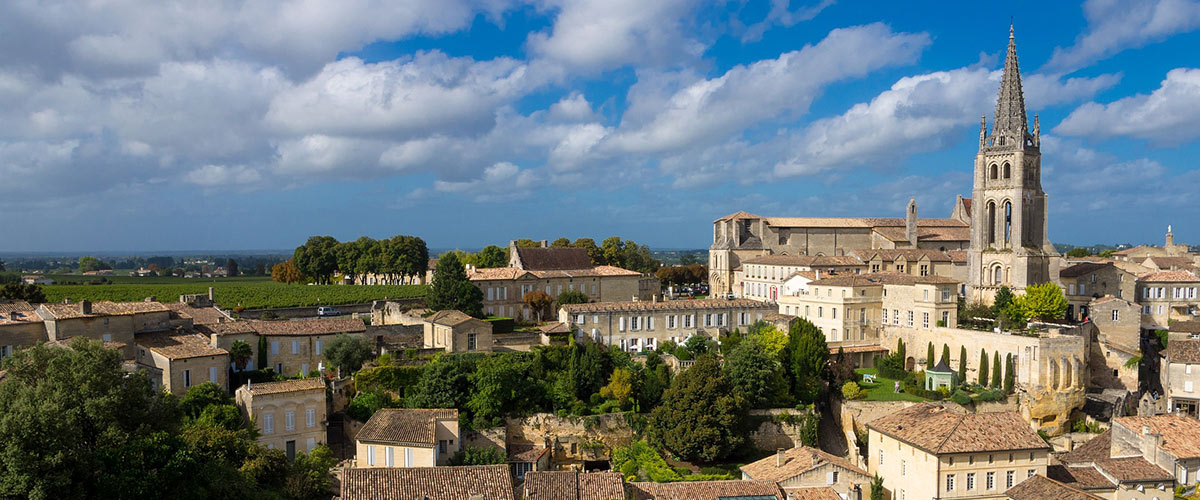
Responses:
[223,176]
[1170,114]
[1115,25]
[500,182]
[780,15]
[590,36]
[574,107]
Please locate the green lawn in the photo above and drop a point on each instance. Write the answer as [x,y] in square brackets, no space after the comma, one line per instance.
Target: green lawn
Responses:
[883,389]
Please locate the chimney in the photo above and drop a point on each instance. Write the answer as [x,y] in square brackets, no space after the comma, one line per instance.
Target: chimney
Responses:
[910,224]
[211,295]
[544,243]
[817,274]
[85,306]
[779,458]
[816,459]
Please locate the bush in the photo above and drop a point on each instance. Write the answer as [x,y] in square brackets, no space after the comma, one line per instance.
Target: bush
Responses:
[851,390]
[991,395]
[891,366]
[682,353]
[367,403]
[471,455]
[390,377]
[961,397]
[639,457]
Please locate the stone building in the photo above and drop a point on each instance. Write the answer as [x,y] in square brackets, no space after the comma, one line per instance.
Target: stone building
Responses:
[1093,468]
[928,451]
[803,467]
[401,437]
[470,482]
[1118,339]
[1167,296]
[454,331]
[20,327]
[1169,249]
[1040,487]
[640,325]
[1180,376]
[1009,246]
[762,278]
[554,271]
[1087,281]
[557,485]
[293,347]
[104,321]
[1168,441]
[289,414]
[184,358]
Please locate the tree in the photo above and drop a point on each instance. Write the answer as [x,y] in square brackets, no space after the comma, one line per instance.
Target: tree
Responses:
[751,370]
[1009,374]
[983,368]
[701,415]
[697,344]
[688,259]
[1078,252]
[411,257]
[231,267]
[286,272]
[199,397]
[538,302]
[809,353]
[347,353]
[1044,301]
[308,476]
[20,291]
[593,251]
[962,364]
[451,290]
[996,370]
[260,268]
[560,243]
[773,340]
[490,256]
[929,357]
[88,263]
[614,251]
[473,455]
[877,488]
[572,297]
[444,383]
[317,258]
[241,353]
[1004,297]
[946,354]
[503,386]
[619,388]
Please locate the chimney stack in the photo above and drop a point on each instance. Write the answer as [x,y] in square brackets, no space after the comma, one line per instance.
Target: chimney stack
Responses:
[910,222]
[211,295]
[85,306]
[779,458]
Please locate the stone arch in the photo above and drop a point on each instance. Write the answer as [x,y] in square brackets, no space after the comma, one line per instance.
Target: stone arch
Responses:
[1067,376]
[997,274]
[1007,170]
[1078,373]
[994,170]
[1053,375]
[910,363]
[1007,222]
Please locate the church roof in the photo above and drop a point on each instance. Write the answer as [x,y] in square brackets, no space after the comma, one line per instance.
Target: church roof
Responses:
[1011,120]
[738,215]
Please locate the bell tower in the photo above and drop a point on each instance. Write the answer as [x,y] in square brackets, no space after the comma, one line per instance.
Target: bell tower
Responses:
[1009,246]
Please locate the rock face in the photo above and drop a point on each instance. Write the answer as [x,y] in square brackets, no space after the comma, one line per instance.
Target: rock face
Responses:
[572,439]
[1051,410]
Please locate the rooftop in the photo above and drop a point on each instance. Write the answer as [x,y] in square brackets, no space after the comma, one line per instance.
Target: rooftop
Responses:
[1132,470]
[1098,448]
[7,306]
[558,485]
[1168,277]
[940,233]
[512,273]
[178,344]
[880,279]
[1082,476]
[938,430]
[797,461]
[1181,435]
[490,482]
[199,315]
[1184,351]
[310,326]
[101,308]
[666,305]
[282,386]
[404,425]
[1040,487]
[553,259]
[909,254]
[449,317]
[706,490]
[1083,269]
[804,260]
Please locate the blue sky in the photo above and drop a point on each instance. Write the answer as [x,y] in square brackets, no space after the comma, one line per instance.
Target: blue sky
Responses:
[249,125]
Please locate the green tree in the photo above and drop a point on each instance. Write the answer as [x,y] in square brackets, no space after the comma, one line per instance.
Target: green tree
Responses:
[983,368]
[560,243]
[593,251]
[262,352]
[1004,297]
[20,291]
[929,357]
[809,354]
[1078,252]
[688,259]
[88,263]
[701,415]
[1044,301]
[877,488]
[697,344]
[901,349]
[619,388]
[241,353]
[1009,374]
[962,364]
[473,455]
[656,378]
[308,476]
[996,370]
[773,340]
[451,289]
[945,354]
[347,353]
[572,297]
[231,267]
[539,302]
[613,250]
[751,371]
[491,256]
[317,258]
[199,397]
[503,386]
[444,383]
[1108,253]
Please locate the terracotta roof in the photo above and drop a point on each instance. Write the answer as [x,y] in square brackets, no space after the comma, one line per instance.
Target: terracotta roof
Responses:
[177,344]
[281,386]
[1098,448]
[815,493]
[804,260]
[1168,277]
[880,279]
[404,425]
[738,215]
[1185,326]
[703,490]
[555,327]
[525,452]
[1132,470]
[1108,298]
[938,430]
[7,306]
[945,233]
[1040,487]
[909,254]
[957,256]
[796,461]
[199,315]
[511,273]
[545,485]
[227,328]
[449,317]
[862,222]
[311,326]
[491,482]
[1083,268]
[1173,262]
[1083,476]
[19,316]
[1184,351]
[1181,435]
[666,305]
[967,203]
[553,259]
[101,308]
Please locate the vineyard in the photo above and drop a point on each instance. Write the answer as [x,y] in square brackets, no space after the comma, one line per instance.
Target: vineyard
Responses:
[229,294]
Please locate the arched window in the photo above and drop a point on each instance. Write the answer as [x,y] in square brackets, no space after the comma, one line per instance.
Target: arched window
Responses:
[1007,171]
[997,275]
[1007,222]
[991,226]
[994,170]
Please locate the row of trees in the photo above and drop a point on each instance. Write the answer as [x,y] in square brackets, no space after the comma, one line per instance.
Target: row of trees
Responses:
[613,251]
[682,275]
[399,258]
[1043,301]
[992,376]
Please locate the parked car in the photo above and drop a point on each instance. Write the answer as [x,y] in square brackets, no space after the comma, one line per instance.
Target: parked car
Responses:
[328,311]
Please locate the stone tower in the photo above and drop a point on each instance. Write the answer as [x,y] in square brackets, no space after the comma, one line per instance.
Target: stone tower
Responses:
[1009,246]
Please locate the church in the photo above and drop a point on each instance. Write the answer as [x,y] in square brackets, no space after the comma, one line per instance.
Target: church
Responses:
[1001,227]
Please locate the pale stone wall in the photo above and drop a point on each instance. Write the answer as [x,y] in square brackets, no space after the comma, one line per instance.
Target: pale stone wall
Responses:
[838,312]
[257,407]
[22,335]
[504,297]
[422,456]
[1108,280]
[297,353]
[457,338]
[226,341]
[822,476]
[928,303]
[1181,381]
[654,326]
[177,373]
[1161,305]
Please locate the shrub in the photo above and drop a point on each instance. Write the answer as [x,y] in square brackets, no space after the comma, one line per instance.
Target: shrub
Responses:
[891,366]
[367,403]
[471,455]
[390,377]
[961,397]
[851,390]
[991,395]
[640,457]
[682,353]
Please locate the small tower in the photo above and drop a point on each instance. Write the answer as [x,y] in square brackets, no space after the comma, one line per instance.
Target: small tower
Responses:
[1170,238]
[910,222]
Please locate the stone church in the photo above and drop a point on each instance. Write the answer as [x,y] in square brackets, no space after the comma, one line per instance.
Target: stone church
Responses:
[1002,226]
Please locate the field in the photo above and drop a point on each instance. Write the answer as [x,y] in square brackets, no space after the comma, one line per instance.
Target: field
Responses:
[251,293]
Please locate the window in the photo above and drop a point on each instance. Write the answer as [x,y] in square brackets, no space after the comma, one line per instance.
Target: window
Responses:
[1071,289]
[106,337]
[635,323]
[925,320]
[389,456]
[910,319]
[408,457]
[317,348]
[268,424]
[472,341]
[884,316]
[820,312]
[903,467]
[945,318]
[295,347]
[834,478]
[310,418]
[991,480]
[1031,473]
[580,319]
[187,378]
[881,458]
[442,446]
[310,444]
[212,375]
[708,320]
[304,369]
[895,316]
[671,322]
[689,320]
[275,347]
[949,482]
[924,269]
[289,421]
[970,481]
[833,312]
[1188,386]
[1116,315]
[621,324]
[925,295]
[1008,479]
[370,454]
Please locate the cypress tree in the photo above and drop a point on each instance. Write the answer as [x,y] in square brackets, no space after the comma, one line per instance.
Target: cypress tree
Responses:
[996,370]
[962,365]
[1009,374]
[929,357]
[983,367]
[900,349]
[946,354]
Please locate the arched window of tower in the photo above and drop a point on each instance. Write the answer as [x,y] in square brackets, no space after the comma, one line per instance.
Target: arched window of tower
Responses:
[994,169]
[991,218]
[1007,171]
[1007,221]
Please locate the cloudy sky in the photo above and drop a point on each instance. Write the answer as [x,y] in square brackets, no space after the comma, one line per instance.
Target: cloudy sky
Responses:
[226,124]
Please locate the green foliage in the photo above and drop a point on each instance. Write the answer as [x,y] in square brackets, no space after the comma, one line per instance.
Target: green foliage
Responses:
[752,371]
[1044,301]
[619,388]
[366,403]
[877,488]
[851,390]
[701,414]
[945,354]
[20,291]
[682,352]
[1162,338]
[262,352]
[88,263]
[996,369]
[472,455]
[251,294]
[539,302]
[240,352]
[809,354]
[1003,298]
[347,352]
[503,386]
[1010,375]
[639,460]
[444,383]
[572,297]
[809,427]
[490,256]
[961,397]
[1082,425]
[983,367]
[1078,252]
[308,476]
[199,397]
[317,258]
[452,290]
[962,364]
[397,379]
[994,394]
[1133,362]
[929,357]
[891,366]
[697,344]
[773,340]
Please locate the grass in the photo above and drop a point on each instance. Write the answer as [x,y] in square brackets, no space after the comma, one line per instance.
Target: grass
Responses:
[230,292]
[883,389]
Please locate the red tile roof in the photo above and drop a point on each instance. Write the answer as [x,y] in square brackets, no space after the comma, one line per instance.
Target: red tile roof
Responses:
[282,386]
[1181,435]
[404,425]
[1132,470]
[177,344]
[804,260]
[1082,476]
[796,461]
[1098,448]
[311,326]
[490,482]
[1184,351]
[560,485]
[1168,277]
[1040,487]
[703,490]
[938,430]
[666,305]
[101,308]
[553,259]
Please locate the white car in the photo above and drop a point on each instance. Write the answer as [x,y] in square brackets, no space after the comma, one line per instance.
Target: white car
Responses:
[328,311]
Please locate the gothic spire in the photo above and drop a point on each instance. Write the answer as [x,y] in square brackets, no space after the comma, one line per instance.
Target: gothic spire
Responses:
[1010,122]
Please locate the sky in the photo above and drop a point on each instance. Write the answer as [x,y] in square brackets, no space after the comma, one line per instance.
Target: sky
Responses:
[232,125]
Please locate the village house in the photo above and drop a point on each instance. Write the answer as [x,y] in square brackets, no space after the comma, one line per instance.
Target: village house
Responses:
[805,467]
[1180,371]
[289,415]
[928,451]
[20,327]
[642,325]
[104,321]
[474,482]
[553,271]
[185,359]
[762,277]
[1087,281]
[1171,442]
[1093,468]
[455,331]
[1040,487]
[402,437]
[1167,296]
[1142,252]
[294,347]
[1118,338]
[33,279]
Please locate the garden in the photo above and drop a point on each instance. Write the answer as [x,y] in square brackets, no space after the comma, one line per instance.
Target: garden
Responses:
[993,380]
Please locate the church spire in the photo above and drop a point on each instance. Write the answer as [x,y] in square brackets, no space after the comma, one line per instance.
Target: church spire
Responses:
[1011,123]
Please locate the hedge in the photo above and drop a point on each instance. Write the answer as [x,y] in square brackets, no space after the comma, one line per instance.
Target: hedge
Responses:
[389,377]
